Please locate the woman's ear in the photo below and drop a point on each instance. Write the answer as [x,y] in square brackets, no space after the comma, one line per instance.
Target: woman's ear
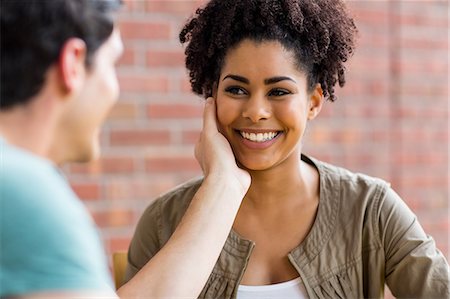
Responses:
[315,102]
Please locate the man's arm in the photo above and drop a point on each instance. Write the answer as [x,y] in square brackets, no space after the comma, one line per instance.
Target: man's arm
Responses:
[66,295]
[182,267]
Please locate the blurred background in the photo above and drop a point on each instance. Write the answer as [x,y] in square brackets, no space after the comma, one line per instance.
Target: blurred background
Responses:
[391,119]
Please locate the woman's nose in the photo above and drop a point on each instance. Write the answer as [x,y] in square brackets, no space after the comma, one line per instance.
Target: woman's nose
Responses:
[257,108]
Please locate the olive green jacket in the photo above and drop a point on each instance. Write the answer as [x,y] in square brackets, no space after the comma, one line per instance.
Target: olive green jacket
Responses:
[363,237]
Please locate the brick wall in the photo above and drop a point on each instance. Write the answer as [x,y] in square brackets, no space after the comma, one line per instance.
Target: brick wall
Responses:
[391,119]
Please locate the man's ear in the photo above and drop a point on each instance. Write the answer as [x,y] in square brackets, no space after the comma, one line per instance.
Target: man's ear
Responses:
[315,102]
[72,64]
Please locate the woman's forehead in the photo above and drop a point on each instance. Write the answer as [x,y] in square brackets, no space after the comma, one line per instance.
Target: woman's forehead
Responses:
[260,57]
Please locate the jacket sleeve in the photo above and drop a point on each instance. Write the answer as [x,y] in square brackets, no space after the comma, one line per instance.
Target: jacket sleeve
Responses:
[157,225]
[414,267]
[146,242]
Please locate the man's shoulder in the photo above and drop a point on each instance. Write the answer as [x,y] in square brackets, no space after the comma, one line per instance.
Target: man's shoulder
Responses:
[18,166]
[30,182]
[37,202]
[41,215]
[34,194]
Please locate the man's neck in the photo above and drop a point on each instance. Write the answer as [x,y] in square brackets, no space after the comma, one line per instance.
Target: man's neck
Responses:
[29,127]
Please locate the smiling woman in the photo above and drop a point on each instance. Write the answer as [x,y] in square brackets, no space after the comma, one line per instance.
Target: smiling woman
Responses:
[306,228]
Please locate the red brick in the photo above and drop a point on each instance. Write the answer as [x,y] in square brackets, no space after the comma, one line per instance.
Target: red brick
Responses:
[119,189]
[183,7]
[172,164]
[437,222]
[143,83]
[123,111]
[423,20]
[419,43]
[427,89]
[349,135]
[373,41]
[143,137]
[155,187]
[185,85]
[134,5]
[121,165]
[421,112]
[423,181]
[318,134]
[371,14]
[128,57]
[105,165]
[118,244]
[144,30]
[174,111]
[113,218]
[190,137]
[374,64]
[91,168]
[145,188]
[165,58]
[416,158]
[87,191]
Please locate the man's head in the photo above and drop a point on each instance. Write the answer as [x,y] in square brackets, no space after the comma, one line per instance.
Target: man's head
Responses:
[33,33]
[64,50]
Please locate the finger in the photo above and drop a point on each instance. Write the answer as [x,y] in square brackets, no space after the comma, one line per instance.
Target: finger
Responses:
[209,115]
[197,152]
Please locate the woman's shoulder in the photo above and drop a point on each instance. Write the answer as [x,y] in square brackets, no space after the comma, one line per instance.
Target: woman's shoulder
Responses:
[170,207]
[181,194]
[353,184]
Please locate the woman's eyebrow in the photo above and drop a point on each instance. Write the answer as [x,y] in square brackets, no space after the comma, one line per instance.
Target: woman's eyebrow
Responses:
[278,79]
[237,78]
[266,81]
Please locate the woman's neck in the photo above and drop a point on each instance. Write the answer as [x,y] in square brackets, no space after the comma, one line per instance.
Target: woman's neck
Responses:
[292,181]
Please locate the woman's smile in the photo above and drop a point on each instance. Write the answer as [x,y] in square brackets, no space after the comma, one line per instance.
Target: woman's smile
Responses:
[258,139]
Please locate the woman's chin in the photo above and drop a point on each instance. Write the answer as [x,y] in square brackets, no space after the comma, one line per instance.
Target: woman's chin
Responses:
[254,165]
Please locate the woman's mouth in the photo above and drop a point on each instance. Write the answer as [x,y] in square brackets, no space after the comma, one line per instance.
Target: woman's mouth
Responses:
[259,137]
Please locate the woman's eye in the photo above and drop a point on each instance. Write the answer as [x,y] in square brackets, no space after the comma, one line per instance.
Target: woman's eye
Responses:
[235,90]
[278,92]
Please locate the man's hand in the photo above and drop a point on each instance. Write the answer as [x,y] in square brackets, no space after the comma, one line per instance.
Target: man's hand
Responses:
[214,153]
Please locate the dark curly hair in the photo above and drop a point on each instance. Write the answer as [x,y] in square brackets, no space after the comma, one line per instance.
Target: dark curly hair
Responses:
[321,34]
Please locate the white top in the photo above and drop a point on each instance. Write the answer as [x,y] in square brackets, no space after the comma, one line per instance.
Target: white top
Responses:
[292,289]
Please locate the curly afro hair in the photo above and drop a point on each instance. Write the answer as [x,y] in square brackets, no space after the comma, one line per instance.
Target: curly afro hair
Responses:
[321,34]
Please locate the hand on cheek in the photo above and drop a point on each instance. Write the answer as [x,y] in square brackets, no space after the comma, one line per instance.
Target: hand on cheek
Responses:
[214,153]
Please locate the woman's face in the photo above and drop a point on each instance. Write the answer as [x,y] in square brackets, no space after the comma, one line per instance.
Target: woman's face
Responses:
[263,104]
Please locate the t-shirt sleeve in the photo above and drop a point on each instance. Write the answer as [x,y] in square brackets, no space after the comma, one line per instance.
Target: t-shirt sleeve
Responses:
[49,242]
[414,267]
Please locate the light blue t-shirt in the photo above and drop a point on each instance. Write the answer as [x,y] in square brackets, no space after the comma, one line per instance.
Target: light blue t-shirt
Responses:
[48,241]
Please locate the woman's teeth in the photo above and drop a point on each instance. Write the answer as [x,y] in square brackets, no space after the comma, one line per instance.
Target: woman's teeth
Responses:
[259,137]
